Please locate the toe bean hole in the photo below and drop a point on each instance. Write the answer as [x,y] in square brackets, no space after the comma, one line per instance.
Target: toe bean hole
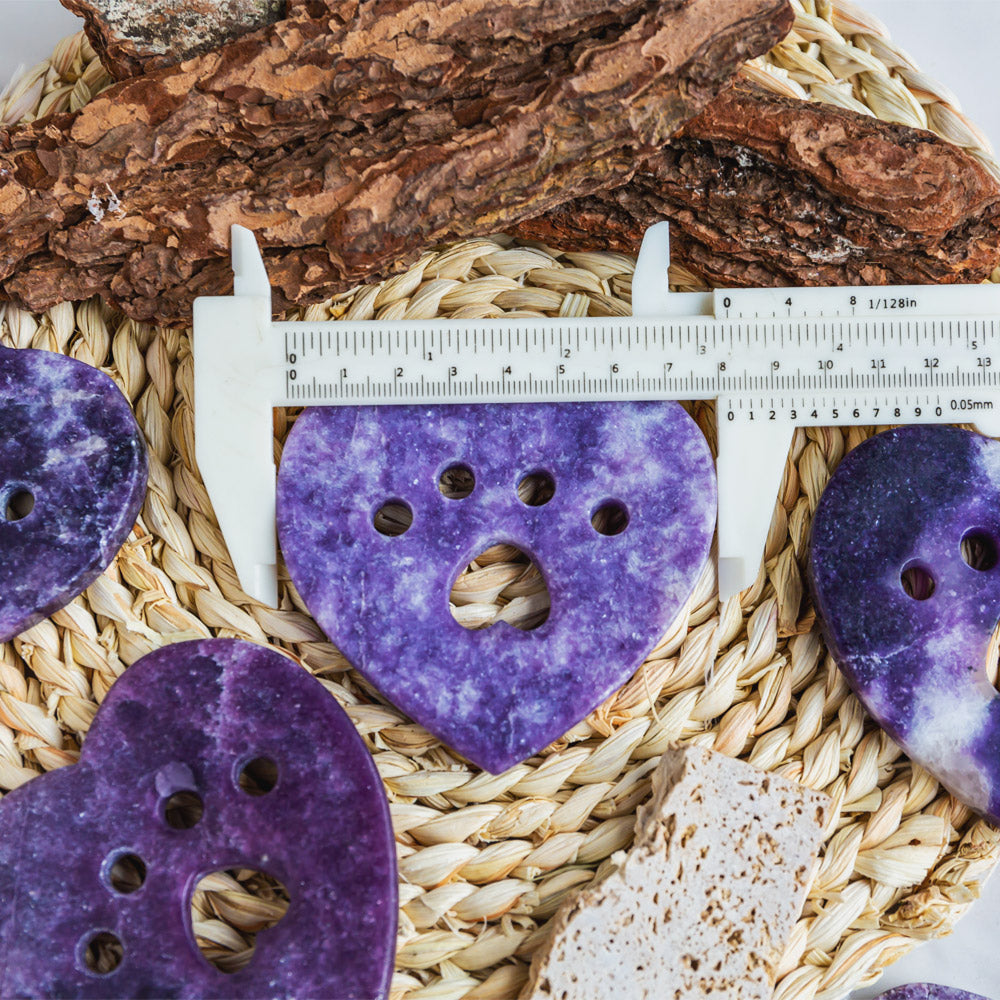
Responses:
[536,489]
[457,482]
[610,517]
[979,550]
[19,505]
[393,518]
[258,776]
[103,952]
[183,810]
[917,582]
[229,909]
[502,584]
[125,872]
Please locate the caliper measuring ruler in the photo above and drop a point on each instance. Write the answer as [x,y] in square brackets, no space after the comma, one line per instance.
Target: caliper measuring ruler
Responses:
[774,359]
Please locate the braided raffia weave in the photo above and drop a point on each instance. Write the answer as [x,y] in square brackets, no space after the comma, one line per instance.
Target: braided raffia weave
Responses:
[485,860]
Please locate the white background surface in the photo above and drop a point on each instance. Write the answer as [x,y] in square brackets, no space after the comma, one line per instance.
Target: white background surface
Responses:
[955,41]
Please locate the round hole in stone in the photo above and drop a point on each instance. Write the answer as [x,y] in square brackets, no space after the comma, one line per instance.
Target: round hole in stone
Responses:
[125,872]
[393,518]
[457,481]
[183,810]
[103,952]
[917,582]
[501,584]
[19,505]
[979,550]
[258,776]
[610,517]
[248,901]
[536,489]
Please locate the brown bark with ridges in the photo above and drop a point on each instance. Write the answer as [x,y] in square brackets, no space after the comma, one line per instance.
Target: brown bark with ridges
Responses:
[765,191]
[136,36]
[350,142]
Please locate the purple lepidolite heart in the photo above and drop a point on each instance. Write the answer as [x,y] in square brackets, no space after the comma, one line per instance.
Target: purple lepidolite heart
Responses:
[498,695]
[928,991]
[72,478]
[905,570]
[182,727]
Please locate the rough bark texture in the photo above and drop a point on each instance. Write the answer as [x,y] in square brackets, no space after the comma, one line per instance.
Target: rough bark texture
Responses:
[765,191]
[353,140]
[134,36]
[703,903]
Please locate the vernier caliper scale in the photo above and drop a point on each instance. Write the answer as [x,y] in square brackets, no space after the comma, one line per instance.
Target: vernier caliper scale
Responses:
[774,359]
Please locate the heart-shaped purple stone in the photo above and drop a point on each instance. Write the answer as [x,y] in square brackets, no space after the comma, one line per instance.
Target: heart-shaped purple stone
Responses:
[928,991]
[72,478]
[497,695]
[185,721]
[907,582]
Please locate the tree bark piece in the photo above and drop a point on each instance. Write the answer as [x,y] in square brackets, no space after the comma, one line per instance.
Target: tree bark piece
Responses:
[703,903]
[134,36]
[766,191]
[352,141]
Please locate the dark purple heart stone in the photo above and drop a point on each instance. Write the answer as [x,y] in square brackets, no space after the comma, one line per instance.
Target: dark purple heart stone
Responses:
[497,695]
[928,991]
[72,478]
[185,721]
[907,582]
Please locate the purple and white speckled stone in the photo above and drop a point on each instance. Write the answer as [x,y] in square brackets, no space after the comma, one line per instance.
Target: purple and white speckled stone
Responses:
[906,499]
[497,695]
[928,991]
[188,718]
[69,438]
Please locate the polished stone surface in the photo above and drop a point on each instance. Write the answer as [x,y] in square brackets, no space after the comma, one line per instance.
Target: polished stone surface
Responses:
[187,719]
[68,439]
[928,991]
[900,505]
[497,695]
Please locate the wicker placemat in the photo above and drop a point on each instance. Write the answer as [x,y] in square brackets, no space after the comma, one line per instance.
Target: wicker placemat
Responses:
[485,860]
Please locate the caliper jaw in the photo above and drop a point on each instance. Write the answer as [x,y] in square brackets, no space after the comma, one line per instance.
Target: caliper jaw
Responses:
[747,454]
[233,396]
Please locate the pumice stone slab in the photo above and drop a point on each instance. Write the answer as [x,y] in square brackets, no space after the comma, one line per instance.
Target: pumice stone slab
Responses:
[73,472]
[622,534]
[204,756]
[928,991]
[905,568]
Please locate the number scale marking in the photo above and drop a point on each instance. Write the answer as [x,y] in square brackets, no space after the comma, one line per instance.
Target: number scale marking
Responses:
[791,366]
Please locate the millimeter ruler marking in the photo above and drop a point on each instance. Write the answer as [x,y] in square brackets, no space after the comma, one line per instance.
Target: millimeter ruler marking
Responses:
[774,359]
[761,364]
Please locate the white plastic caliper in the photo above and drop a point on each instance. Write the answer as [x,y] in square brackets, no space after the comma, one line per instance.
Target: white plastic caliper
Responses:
[774,359]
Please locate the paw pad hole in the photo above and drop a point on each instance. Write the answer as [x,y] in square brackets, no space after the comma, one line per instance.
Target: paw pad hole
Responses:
[610,517]
[501,584]
[917,582]
[229,909]
[19,505]
[979,550]
[457,482]
[103,952]
[393,518]
[536,489]
[183,810]
[126,872]
[258,776]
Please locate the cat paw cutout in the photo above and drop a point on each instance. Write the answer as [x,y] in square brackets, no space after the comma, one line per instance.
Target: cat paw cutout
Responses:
[204,756]
[622,534]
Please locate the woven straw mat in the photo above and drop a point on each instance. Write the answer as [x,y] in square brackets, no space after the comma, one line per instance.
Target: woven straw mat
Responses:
[485,860]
